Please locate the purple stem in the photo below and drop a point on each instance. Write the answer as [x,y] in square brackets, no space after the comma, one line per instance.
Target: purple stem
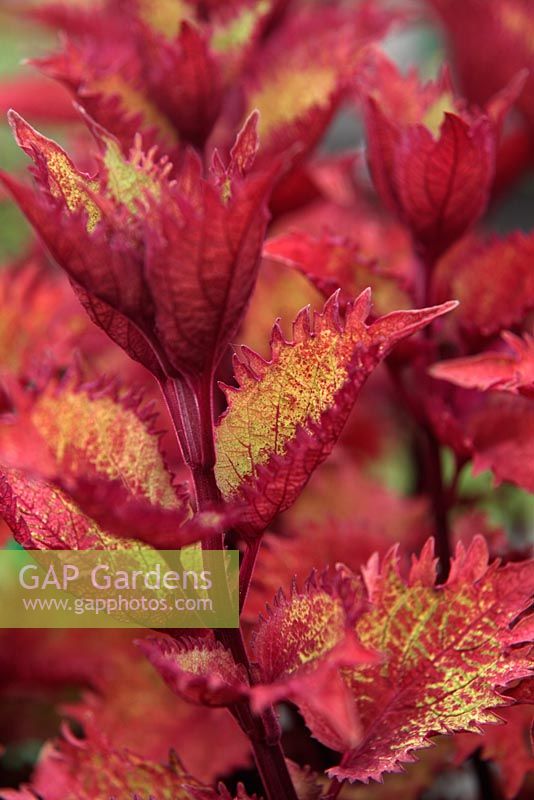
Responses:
[191,410]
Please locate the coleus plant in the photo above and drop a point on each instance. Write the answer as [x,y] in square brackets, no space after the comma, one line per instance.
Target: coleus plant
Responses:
[204,117]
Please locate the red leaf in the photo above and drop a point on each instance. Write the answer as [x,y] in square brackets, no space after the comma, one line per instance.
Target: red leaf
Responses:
[305,70]
[507,746]
[444,185]
[333,262]
[38,98]
[202,270]
[502,433]
[367,518]
[502,34]
[189,260]
[120,329]
[133,708]
[41,322]
[222,794]
[492,279]
[432,161]
[511,371]
[43,517]
[193,100]
[242,155]
[288,412]
[122,698]
[198,670]
[88,769]
[301,645]
[96,258]
[447,650]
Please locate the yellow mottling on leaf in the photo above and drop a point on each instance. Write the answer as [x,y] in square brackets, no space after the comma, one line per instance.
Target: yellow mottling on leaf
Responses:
[226,191]
[264,415]
[133,101]
[67,183]
[238,32]
[129,180]
[203,661]
[299,631]
[315,623]
[99,435]
[166,16]
[441,646]
[98,770]
[289,94]
[434,114]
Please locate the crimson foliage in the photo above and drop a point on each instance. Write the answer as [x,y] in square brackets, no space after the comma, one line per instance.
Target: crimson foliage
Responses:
[190,208]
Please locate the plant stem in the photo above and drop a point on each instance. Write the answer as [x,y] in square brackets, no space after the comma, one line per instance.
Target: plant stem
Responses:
[433,479]
[431,474]
[191,410]
[247,569]
[333,790]
[183,410]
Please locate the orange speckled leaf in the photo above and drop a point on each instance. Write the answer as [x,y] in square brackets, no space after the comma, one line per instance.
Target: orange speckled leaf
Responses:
[199,671]
[73,769]
[77,217]
[300,646]
[116,100]
[447,650]
[288,412]
[506,371]
[306,69]
[56,171]
[104,449]
[99,447]
[122,181]
[100,433]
